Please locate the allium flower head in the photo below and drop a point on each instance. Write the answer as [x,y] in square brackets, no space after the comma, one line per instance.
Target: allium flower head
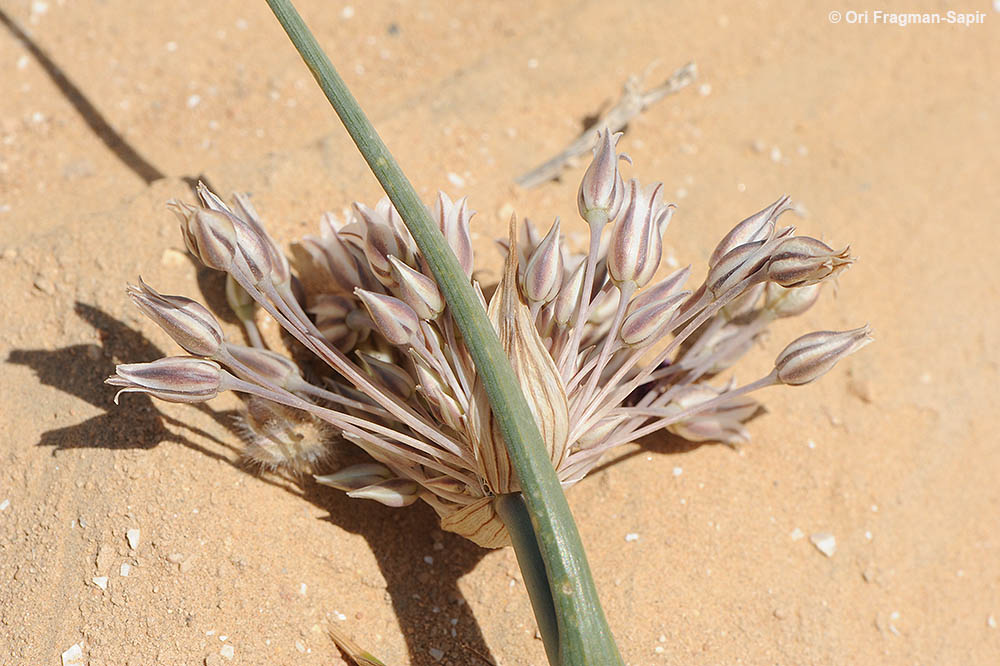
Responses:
[604,353]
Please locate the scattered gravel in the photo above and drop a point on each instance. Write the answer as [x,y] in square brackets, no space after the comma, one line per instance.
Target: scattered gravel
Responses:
[74,656]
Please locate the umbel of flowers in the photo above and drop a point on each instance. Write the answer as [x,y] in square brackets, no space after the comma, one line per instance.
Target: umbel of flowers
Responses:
[604,356]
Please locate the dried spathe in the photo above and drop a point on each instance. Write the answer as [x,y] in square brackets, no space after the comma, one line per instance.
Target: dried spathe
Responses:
[603,359]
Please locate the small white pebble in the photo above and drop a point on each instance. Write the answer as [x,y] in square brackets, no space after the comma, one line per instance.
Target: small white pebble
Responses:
[825,543]
[658,649]
[741,187]
[223,637]
[302,589]
[991,622]
[705,89]
[796,534]
[193,101]
[228,651]
[868,535]
[4,504]
[775,154]
[533,64]
[678,471]
[39,7]
[210,632]
[241,24]
[101,582]
[38,117]
[125,569]
[74,656]
[23,61]
[874,508]
[300,646]
[662,638]
[171,46]
[455,179]
[436,654]
[340,616]
[347,12]
[428,559]
[132,536]
[631,536]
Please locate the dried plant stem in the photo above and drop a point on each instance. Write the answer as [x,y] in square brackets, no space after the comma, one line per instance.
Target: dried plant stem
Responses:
[582,633]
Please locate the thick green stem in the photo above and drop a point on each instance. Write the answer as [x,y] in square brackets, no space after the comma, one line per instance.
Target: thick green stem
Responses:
[584,636]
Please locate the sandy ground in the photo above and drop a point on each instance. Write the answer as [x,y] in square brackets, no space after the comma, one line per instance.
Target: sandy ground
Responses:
[887,135]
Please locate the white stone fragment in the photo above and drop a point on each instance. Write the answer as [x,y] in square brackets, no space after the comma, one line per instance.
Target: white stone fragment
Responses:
[101,582]
[436,654]
[991,622]
[74,656]
[132,536]
[125,569]
[825,543]
[455,179]
[4,504]
[796,534]
[678,471]
[631,536]
[228,651]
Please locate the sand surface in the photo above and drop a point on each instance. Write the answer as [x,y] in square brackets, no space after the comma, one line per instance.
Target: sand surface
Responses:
[888,137]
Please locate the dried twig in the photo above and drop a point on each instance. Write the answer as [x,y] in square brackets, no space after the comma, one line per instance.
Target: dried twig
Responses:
[632,102]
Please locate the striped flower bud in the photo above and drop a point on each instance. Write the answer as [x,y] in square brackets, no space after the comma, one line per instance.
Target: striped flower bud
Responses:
[393,318]
[188,322]
[340,261]
[800,261]
[433,388]
[659,291]
[602,188]
[784,302]
[418,290]
[280,272]
[569,296]
[720,423]
[543,273]
[735,266]
[635,246]
[813,355]
[390,375]
[757,227]
[270,366]
[379,241]
[356,476]
[339,319]
[453,220]
[174,379]
[644,322]
[208,235]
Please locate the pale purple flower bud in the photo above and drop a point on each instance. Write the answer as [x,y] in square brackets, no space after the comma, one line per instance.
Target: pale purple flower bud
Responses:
[379,242]
[208,235]
[280,271]
[188,322]
[784,302]
[453,220]
[418,290]
[544,271]
[659,291]
[393,318]
[337,319]
[390,375]
[433,388]
[723,422]
[801,261]
[643,323]
[356,476]
[814,354]
[735,266]
[757,227]
[270,366]
[256,248]
[174,379]
[569,296]
[602,188]
[635,246]
[394,492]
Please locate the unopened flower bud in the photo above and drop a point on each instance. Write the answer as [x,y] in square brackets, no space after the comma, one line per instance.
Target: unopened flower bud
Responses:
[174,379]
[635,246]
[757,227]
[389,375]
[188,322]
[813,355]
[735,266]
[646,321]
[418,290]
[267,365]
[602,188]
[393,318]
[660,291]
[792,302]
[543,273]
[340,320]
[380,241]
[453,220]
[208,235]
[393,492]
[801,261]
[433,388]
[356,476]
